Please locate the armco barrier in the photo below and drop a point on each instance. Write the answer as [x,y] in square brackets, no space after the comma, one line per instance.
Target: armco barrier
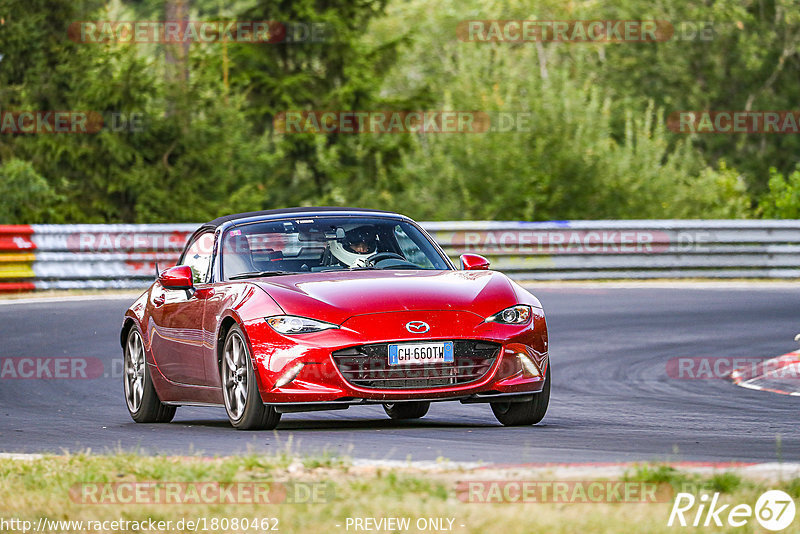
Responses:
[87,256]
[124,256]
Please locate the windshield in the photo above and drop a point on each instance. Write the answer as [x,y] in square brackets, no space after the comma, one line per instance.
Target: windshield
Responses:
[320,244]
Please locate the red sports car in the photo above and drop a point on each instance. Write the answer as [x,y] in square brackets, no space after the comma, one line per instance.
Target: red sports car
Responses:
[307,309]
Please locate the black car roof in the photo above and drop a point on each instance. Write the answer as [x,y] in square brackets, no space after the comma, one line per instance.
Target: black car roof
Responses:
[308,211]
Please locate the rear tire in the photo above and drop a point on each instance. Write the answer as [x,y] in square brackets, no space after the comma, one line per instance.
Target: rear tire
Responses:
[524,413]
[406,410]
[140,394]
[246,410]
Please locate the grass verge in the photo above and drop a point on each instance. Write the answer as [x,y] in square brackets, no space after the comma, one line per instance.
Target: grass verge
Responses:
[321,494]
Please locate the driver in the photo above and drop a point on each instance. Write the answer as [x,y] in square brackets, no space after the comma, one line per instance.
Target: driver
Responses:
[357,246]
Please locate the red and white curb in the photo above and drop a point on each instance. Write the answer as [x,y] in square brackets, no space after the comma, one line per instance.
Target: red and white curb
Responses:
[776,375]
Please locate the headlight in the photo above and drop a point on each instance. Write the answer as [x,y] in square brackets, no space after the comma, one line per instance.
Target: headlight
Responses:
[291,324]
[514,315]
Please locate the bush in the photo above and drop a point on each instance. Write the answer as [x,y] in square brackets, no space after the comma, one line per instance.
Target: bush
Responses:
[782,201]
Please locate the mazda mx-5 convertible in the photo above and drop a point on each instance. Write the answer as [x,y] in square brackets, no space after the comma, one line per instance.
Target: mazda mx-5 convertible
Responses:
[306,309]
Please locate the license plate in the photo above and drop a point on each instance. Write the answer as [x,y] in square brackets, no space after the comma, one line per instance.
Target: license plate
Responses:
[421,353]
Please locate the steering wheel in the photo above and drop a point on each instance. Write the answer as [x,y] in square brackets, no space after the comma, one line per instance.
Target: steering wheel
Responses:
[380,256]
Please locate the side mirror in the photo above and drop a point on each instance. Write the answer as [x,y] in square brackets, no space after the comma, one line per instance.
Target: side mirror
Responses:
[179,277]
[474,262]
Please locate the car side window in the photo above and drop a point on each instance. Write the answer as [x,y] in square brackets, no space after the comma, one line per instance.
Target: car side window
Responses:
[198,258]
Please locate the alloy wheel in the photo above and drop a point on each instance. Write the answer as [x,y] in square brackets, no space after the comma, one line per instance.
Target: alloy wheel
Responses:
[134,371]
[234,372]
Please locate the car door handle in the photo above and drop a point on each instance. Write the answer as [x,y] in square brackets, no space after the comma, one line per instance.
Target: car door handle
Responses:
[159,300]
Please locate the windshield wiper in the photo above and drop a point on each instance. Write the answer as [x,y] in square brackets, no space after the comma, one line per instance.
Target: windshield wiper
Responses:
[347,269]
[256,274]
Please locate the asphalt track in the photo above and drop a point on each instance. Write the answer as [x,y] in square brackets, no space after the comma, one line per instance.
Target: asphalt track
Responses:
[612,397]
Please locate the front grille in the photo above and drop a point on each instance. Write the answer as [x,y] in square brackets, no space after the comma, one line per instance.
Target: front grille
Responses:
[367,366]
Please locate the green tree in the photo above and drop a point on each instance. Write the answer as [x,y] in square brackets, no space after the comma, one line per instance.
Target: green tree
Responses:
[25,197]
[586,154]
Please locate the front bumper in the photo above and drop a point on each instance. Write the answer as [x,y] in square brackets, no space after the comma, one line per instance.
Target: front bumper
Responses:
[319,381]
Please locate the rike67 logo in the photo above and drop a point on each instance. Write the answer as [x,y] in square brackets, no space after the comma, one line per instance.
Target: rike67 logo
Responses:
[774,510]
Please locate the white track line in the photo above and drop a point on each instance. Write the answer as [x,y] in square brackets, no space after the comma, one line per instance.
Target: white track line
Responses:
[662,284]
[70,298]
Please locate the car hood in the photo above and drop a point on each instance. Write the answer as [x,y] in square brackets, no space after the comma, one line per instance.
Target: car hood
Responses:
[336,296]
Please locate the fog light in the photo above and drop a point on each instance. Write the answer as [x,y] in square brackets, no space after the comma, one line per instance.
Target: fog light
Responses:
[288,376]
[528,365]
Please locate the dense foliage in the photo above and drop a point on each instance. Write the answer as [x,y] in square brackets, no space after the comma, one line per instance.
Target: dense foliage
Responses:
[203,143]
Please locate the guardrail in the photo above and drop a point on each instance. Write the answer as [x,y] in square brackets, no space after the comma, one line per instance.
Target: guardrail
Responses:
[87,256]
[34,257]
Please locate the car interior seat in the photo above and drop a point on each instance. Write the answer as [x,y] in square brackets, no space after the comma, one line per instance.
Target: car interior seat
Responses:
[237,257]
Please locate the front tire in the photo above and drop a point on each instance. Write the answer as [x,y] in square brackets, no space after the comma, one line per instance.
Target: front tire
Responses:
[524,413]
[406,410]
[246,410]
[140,394]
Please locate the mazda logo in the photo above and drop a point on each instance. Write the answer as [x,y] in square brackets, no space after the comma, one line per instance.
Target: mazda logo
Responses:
[417,327]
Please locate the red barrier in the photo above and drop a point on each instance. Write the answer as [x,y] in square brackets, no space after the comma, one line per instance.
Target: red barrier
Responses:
[16,237]
[16,287]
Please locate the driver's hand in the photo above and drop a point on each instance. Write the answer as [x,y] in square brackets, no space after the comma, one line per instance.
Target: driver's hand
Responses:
[361,263]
